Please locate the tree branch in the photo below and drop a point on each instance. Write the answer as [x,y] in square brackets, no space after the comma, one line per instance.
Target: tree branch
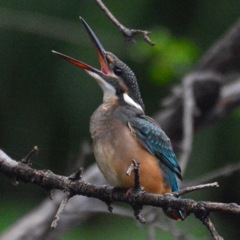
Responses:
[129,34]
[49,180]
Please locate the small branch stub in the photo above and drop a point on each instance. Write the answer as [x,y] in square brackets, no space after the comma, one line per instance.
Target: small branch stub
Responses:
[134,167]
[129,34]
[30,155]
[136,207]
[109,206]
[138,213]
[76,175]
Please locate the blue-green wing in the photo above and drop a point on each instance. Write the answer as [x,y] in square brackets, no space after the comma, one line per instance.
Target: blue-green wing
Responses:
[153,138]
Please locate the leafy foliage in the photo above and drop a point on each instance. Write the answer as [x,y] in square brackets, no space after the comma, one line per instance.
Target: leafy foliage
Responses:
[169,59]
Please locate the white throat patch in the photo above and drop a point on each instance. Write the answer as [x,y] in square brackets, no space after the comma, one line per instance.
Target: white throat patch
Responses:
[109,91]
[131,102]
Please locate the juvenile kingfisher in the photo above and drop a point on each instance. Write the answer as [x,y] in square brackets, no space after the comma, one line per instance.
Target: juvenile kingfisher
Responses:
[121,131]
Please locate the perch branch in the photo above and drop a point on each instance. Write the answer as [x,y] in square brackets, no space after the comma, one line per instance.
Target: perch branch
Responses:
[49,180]
[76,186]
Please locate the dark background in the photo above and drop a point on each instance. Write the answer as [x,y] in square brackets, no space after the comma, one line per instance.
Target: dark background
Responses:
[47,102]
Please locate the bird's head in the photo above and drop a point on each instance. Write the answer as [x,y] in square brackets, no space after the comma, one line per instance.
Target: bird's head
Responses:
[115,78]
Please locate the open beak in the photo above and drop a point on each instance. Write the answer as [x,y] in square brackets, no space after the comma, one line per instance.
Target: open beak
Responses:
[105,70]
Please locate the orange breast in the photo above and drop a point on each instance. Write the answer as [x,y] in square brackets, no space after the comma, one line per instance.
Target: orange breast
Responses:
[114,151]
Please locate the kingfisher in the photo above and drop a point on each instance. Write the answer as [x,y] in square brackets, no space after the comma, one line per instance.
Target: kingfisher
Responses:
[121,131]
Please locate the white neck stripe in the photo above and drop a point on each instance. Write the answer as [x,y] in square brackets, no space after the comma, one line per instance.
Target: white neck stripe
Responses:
[131,102]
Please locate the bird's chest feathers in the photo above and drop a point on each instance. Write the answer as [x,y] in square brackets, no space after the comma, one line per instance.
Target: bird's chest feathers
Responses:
[112,151]
[115,146]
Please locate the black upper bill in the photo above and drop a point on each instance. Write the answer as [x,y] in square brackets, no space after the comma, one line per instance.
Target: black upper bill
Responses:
[100,51]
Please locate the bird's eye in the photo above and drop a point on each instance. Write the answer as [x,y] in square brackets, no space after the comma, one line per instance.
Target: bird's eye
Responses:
[117,71]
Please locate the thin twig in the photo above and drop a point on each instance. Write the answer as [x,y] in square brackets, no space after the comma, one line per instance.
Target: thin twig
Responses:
[129,34]
[61,209]
[210,226]
[195,188]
